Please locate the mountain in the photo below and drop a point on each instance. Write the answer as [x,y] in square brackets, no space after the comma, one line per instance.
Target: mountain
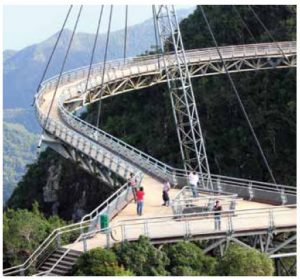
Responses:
[19,150]
[8,53]
[23,69]
[24,117]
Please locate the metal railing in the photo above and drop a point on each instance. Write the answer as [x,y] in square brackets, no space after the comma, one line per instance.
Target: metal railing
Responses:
[113,204]
[185,201]
[247,188]
[116,201]
[162,228]
[47,247]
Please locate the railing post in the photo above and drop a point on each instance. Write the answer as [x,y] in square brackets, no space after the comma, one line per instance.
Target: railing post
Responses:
[107,233]
[219,186]
[283,197]
[271,221]
[58,240]
[187,229]
[84,244]
[250,190]
[22,272]
[174,178]
[146,228]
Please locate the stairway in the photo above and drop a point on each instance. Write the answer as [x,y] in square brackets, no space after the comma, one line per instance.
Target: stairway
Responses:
[65,265]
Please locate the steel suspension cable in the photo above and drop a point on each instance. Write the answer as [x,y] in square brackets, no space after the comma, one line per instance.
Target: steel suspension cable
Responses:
[54,48]
[125,35]
[94,48]
[244,23]
[104,66]
[267,31]
[63,66]
[238,97]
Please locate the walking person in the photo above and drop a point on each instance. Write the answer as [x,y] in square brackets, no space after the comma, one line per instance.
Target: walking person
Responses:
[132,182]
[217,208]
[193,181]
[140,201]
[165,193]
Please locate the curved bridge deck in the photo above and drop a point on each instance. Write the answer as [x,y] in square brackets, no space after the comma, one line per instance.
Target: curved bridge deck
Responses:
[250,217]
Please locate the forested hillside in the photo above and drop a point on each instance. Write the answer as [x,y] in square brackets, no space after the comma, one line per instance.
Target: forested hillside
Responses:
[20,150]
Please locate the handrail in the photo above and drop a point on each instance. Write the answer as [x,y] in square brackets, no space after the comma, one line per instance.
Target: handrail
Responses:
[115,194]
[289,44]
[251,210]
[42,247]
[166,168]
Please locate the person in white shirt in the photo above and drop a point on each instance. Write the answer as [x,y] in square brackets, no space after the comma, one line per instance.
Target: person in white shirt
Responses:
[193,181]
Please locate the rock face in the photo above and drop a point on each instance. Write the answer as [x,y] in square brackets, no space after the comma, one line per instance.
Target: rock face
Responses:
[60,187]
[52,186]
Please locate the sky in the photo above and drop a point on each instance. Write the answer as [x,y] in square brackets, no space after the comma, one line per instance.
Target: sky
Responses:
[24,25]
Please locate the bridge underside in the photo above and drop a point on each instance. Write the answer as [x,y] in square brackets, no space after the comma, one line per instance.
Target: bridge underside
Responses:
[139,80]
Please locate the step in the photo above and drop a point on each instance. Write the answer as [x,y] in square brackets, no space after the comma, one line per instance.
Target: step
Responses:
[55,271]
[59,266]
[67,257]
[62,261]
[71,252]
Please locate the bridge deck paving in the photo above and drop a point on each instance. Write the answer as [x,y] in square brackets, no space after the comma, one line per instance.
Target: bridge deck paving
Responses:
[172,228]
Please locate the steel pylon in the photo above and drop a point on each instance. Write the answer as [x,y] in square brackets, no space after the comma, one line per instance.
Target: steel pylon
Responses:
[184,107]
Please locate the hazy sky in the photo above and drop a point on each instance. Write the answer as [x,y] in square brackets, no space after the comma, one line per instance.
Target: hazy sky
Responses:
[26,25]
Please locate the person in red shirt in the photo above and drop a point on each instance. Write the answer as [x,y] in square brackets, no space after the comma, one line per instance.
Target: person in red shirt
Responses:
[140,201]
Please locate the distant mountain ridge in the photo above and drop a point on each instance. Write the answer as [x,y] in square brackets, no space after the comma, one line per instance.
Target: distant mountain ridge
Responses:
[23,69]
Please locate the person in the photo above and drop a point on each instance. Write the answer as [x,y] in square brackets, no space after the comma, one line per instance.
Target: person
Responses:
[193,181]
[140,201]
[217,208]
[165,193]
[132,182]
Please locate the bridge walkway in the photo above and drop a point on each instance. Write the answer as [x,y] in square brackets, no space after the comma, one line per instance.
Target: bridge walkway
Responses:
[134,225]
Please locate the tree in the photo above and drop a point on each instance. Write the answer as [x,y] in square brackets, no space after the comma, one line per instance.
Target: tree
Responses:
[241,261]
[23,231]
[142,257]
[187,259]
[99,262]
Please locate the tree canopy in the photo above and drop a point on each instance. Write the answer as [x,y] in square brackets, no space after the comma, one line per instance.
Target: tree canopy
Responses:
[99,262]
[142,257]
[243,261]
[187,259]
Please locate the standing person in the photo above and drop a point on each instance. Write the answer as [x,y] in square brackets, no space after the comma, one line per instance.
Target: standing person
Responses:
[165,193]
[140,201]
[132,182]
[217,208]
[193,181]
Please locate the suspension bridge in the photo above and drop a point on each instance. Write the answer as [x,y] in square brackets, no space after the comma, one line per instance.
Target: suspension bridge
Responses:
[255,214]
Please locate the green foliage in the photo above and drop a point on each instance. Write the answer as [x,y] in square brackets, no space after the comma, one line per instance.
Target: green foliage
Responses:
[19,147]
[187,259]
[142,257]
[99,262]
[78,191]
[23,231]
[241,261]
